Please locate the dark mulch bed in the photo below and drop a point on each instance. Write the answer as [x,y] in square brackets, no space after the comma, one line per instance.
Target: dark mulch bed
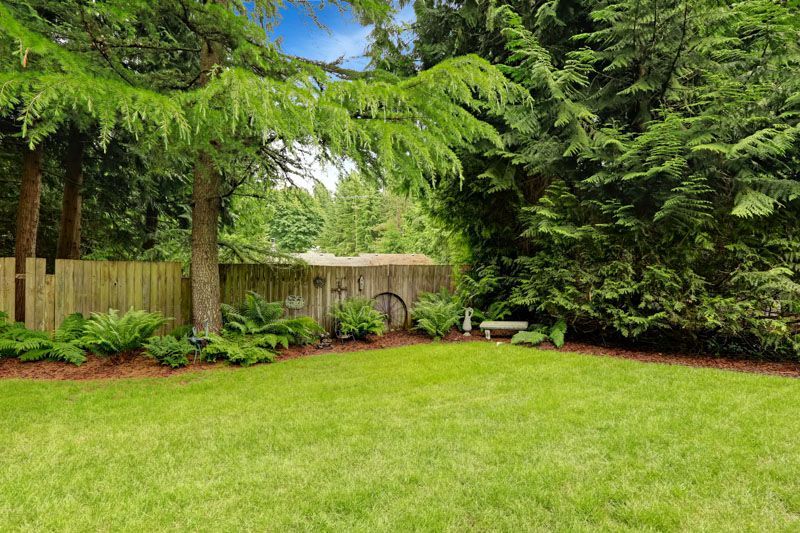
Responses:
[780,368]
[140,366]
[391,339]
[95,367]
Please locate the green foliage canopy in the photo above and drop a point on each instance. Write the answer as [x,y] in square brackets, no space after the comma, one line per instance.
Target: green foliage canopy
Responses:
[650,189]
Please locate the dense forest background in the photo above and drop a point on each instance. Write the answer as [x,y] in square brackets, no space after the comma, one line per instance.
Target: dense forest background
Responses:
[259,223]
[631,167]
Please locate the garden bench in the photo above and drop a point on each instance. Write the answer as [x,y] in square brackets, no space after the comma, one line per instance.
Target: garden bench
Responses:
[505,325]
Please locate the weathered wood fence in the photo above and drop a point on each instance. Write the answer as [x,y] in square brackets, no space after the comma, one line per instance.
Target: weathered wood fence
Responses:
[322,287]
[97,286]
[7,286]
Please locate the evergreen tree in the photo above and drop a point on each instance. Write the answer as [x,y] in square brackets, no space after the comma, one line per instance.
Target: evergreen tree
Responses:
[230,102]
[353,218]
[651,185]
[48,89]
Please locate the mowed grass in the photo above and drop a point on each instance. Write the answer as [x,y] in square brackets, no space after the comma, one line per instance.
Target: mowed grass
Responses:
[429,437]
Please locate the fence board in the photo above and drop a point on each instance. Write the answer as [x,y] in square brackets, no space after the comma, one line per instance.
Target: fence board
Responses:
[186,300]
[36,295]
[7,287]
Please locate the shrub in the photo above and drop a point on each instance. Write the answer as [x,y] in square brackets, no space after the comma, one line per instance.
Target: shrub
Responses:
[436,313]
[495,311]
[169,351]
[109,334]
[256,316]
[539,333]
[480,288]
[359,318]
[237,349]
[27,345]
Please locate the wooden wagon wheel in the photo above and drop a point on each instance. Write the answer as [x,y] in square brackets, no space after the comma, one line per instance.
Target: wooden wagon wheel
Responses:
[393,309]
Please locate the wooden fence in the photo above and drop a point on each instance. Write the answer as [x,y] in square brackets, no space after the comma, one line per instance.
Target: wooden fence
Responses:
[95,286]
[322,287]
[7,286]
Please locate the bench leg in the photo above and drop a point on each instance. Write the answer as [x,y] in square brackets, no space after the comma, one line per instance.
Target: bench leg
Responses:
[488,335]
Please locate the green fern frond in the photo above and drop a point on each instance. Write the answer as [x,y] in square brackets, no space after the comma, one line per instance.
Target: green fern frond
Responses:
[753,204]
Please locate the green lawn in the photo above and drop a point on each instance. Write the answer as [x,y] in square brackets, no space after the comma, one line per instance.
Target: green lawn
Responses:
[450,436]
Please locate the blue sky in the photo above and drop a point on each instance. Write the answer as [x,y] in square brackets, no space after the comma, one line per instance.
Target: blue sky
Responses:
[344,37]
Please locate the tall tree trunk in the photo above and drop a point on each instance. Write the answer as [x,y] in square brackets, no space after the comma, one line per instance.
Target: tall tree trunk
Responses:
[69,235]
[150,227]
[27,219]
[205,219]
[205,252]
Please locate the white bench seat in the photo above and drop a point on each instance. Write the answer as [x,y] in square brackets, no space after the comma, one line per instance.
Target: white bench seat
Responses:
[503,325]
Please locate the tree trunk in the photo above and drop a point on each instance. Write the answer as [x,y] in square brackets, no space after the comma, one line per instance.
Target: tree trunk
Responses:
[150,227]
[27,219]
[69,235]
[206,200]
[205,252]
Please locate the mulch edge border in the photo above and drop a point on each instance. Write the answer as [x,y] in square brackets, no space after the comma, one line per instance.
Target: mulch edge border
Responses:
[143,368]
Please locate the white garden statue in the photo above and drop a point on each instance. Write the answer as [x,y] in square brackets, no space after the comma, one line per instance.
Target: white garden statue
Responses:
[467,326]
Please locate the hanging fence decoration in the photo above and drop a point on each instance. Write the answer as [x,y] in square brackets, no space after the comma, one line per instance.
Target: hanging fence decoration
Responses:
[295,302]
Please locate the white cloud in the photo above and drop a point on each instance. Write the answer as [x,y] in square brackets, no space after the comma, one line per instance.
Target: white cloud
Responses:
[316,169]
[350,45]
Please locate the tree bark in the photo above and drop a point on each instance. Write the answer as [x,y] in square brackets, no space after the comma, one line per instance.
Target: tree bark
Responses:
[206,201]
[205,252]
[27,219]
[69,235]
[150,227]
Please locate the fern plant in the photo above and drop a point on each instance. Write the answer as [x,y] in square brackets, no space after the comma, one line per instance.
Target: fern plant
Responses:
[71,329]
[182,331]
[256,316]
[109,334]
[5,323]
[357,317]
[169,350]
[238,350]
[436,313]
[539,334]
[28,345]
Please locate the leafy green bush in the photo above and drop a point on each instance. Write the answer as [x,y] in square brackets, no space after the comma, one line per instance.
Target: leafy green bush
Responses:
[495,311]
[479,288]
[436,313]
[109,334]
[539,333]
[256,316]
[168,350]
[359,318]
[27,345]
[238,349]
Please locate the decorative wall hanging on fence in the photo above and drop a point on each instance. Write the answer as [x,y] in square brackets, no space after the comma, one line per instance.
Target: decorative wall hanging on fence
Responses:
[294,302]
